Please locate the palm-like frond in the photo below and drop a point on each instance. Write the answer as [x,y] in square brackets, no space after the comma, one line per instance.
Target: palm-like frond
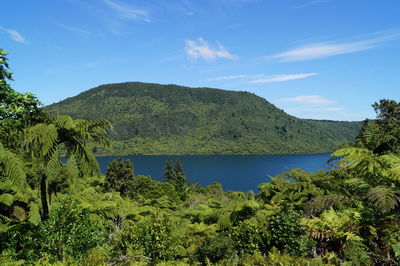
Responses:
[94,130]
[319,204]
[383,198]
[34,213]
[41,140]
[369,165]
[296,186]
[84,157]
[76,134]
[333,225]
[378,139]
[7,199]
[12,167]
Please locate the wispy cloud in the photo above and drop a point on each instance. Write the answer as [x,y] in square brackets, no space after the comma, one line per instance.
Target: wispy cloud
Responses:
[312,106]
[128,12]
[318,112]
[314,2]
[283,77]
[200,49]
[309,99]
[77,30]
[231,77]
[14,35]
[263,78]
[326,49]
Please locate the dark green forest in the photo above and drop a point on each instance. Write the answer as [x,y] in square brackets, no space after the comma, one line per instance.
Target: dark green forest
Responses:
[64,212]
[169,119]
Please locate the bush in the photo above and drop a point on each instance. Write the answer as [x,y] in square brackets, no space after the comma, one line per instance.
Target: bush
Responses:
[150,238]
[68,232]
[215,249]
[246,237]
[287,234]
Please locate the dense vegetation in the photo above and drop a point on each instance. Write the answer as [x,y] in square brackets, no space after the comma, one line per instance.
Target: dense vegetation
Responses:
[169,119]
[56,212]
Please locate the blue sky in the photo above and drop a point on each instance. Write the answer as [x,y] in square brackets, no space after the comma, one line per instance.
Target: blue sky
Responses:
[322,59]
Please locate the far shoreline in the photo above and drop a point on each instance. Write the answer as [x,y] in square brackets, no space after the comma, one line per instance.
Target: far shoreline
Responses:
[214,154]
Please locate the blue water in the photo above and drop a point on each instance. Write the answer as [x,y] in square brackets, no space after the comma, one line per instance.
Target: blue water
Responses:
[234,172]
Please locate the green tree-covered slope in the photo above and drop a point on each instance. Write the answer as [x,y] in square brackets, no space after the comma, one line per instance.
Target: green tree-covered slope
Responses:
[170,119]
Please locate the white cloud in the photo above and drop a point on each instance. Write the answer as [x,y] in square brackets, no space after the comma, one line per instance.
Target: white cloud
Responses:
[309,99]
[14,35]
[128,12]
[235,77]
[326,49]
[200,49]
[283,77]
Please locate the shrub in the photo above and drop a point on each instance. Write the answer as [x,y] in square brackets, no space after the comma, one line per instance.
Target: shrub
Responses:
[69,232]
[215,249]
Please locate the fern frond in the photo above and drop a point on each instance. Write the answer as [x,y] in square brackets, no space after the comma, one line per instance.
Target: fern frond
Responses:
[384,199]
[41,139]
[13,168]
[369,165]
[319,204]
[34,213]
[7,199]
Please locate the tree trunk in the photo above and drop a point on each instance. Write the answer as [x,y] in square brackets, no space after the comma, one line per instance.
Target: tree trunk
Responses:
[43,197]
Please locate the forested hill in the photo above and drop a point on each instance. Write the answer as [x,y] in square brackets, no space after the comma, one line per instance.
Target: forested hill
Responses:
[170,119]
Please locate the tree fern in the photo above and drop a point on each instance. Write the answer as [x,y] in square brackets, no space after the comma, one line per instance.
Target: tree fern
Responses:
[41,140]
[7,199]
[372,167]
[12,168]
[45,142]
[384,199]
[34,213]
[334,225]
[319,204]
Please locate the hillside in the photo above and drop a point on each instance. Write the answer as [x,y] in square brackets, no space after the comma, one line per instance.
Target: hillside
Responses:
[170,119]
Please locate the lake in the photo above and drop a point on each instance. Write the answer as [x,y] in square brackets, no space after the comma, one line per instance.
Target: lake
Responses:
[234,172]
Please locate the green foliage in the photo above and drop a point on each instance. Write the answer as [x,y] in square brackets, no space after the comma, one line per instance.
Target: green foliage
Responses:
[69,232]
[16,109]
[119,176]
[334,225]
[384,199]
[215,249]
[169,119]
[382,136]
[12,168]
[176,176]
[169,171]
[357,253]
[247,237]
[180,178]
[286,232]
[348,215]
[144,188]
[294,186]
[151,238]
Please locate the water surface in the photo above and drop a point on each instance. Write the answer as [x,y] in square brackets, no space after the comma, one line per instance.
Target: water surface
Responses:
[234,172]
